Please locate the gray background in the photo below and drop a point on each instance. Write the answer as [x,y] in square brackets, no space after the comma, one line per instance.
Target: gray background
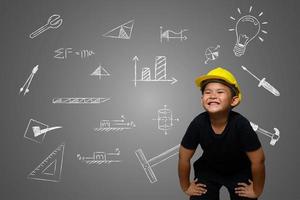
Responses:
[84,23]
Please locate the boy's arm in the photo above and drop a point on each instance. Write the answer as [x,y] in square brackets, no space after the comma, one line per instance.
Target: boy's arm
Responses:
[257,159]
[184,166]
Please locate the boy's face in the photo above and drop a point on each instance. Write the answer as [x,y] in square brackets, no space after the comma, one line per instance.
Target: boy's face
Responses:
[217,98]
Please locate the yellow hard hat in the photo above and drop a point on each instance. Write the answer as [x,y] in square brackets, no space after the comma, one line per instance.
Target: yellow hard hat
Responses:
[220,73]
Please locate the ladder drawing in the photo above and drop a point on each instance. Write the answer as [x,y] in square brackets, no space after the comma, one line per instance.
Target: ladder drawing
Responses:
[122,32]
[50,168]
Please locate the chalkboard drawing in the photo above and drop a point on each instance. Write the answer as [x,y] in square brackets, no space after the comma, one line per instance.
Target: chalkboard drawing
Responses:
[122,32]
[165,119]
[63,53]
[148,164]
[54,21]
[274,136]
[28,81]
[264,83]
[36,131]
[246,29]
[99,158]
[100,71]
[160,73]
[169,34]
[50,169]
[211,53]
[79,100]
[115,125]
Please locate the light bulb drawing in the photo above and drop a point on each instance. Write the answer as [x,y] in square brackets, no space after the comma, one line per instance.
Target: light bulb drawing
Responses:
[246,29]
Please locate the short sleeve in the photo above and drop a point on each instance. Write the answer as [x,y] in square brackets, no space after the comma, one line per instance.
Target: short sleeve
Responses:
[190,139]
[248,137]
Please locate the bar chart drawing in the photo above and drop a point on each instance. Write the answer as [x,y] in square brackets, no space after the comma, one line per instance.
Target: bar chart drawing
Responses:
[160,71]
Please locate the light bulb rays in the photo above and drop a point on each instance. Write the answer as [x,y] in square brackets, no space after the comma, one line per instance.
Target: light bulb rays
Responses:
[247,27]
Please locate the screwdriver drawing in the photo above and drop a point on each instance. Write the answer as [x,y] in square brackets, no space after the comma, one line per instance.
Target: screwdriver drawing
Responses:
[54,21]
[263,83]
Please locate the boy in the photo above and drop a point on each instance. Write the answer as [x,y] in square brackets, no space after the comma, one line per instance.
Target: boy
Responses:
[232,154]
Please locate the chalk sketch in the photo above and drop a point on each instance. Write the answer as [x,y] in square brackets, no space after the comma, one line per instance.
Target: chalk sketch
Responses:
[99,158]
[264,83]
[100,71]
[50,169]
[79,100]
[64,53]
[211,53]
[160,73]
[148,164]
[165,119]
[169,34]
[36,131]
[122,32]
[274,136]
[246,29]
[28,81]
[54,21]
[115,125]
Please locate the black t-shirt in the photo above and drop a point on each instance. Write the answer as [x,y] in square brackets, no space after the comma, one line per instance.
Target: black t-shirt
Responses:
[225,153]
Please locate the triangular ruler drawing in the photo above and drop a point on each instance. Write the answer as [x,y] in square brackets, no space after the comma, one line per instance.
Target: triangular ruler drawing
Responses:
[50,168]
[100,71]
[122,32]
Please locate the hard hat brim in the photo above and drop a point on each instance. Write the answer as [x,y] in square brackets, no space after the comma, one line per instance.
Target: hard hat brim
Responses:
[200,79]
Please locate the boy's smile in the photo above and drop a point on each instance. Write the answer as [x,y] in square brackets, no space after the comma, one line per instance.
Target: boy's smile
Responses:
[217,97]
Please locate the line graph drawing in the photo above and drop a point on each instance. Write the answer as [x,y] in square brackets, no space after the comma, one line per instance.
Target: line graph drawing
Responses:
[28,81]
[160,71]
[99,158]
[121,32]
[79,100]
[115,125]
[211,53]
[100,71]
[246,29]
[169,34]
[51,167]
[36,131]
[165,119]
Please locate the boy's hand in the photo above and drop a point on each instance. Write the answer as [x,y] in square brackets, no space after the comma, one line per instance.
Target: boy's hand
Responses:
[196,189]
[245,190]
